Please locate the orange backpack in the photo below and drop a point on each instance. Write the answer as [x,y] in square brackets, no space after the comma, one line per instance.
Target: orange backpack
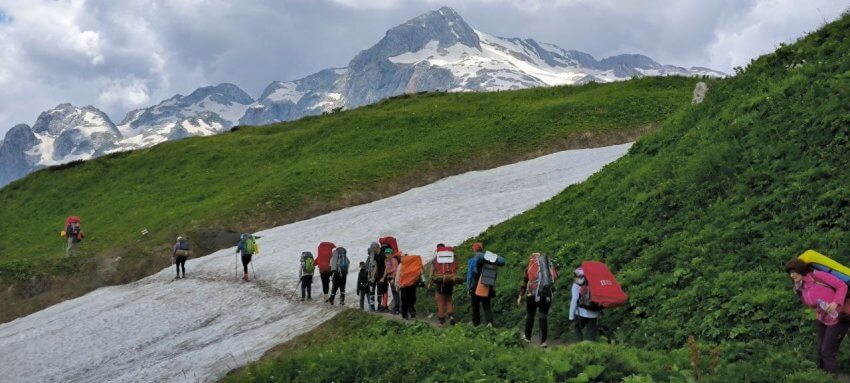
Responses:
[409,271]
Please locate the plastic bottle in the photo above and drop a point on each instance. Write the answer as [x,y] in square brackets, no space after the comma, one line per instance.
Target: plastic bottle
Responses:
[825,307]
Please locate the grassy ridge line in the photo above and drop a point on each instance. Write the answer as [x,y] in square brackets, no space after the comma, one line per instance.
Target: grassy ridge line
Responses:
[358,347]
[699,218]
[263,176]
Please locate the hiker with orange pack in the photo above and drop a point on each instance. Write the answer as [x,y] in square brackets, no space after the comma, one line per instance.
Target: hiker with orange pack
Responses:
[392,262]
[408,277]
[442,271]
[538,287]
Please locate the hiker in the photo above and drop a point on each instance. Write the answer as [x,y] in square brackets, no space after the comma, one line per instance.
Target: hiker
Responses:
[392,262]
[305,274]
[73,233]
[407,278]
[247,246]
[179,254]
[538,286]
[580,306]
[442,274]
[824,293]
[323,260]
[374,253]
[481,273]
[339,269]
[379,276]
[363,286]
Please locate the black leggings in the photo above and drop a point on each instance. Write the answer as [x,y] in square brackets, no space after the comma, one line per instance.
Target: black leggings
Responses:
[531,308]
[585,329]
[246,259]
[180,262]
[339,284]
[306,286]
[326,281]
[477,302]
[408,301]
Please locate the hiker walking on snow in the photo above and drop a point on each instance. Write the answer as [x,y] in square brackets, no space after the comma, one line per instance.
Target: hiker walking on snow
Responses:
[392,263]
[363,286]
[824,293]
[442,274]
[374,254]
[323,261]
[247,246]
[179,255]
[380,277]
[538,286]
[481,273]
[582,310]
[339,268]
[305,274]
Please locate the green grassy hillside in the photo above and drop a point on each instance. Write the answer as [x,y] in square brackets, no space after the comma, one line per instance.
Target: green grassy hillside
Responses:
[264,176]
[700,217]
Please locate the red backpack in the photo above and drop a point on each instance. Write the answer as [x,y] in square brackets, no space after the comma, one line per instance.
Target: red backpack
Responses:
[601,288]
[389,241]
[445,266]
[323,257]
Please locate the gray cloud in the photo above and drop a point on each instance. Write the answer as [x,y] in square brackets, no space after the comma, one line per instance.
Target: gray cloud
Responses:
[121,55]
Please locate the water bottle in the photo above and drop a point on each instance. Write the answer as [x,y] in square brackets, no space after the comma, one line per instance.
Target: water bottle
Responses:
[825,306]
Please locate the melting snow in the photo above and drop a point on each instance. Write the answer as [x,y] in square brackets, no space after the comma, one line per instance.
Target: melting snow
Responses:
[158,330]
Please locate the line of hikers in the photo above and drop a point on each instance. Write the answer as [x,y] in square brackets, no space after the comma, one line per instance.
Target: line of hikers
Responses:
[388,279]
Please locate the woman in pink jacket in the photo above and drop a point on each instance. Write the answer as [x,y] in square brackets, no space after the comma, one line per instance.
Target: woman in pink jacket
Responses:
[825,293]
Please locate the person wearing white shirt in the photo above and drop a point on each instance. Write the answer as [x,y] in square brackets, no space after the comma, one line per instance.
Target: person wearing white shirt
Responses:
[583,312]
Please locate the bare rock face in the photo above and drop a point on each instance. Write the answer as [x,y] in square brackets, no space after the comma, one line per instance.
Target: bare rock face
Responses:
[699,92]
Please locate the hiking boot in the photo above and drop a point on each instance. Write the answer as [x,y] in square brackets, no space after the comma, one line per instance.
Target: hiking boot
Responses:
[177,277]
[524,339]
[302,299]
[441,320]
[245,278]
[330,300]
[452,320]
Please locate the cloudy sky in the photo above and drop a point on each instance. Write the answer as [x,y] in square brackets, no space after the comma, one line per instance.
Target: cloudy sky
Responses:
[122,55]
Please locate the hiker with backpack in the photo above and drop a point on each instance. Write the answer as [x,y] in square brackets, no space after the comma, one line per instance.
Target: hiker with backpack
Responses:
[481,273]
[379,276]
[392,262]
[582,310]
[323,261]
[305,274]
[363,286]
[538,287]
[247,246]
[179,254]
[339,269]
[371,271]
[73,234]
[826,294]
[442,274]
[407,278]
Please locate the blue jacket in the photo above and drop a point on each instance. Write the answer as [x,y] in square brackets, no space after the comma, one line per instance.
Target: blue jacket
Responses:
[240,247]
[473,269]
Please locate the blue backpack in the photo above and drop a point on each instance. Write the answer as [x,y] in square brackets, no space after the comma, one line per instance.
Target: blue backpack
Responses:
[342,260]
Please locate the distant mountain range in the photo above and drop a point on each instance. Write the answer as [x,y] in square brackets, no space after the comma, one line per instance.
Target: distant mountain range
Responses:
[435,51]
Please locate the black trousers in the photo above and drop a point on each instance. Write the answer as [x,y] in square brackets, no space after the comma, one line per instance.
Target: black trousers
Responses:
[246,259]
[408,301]
[531,308]
[306,286]
[587,325]
[477,302]
[326,281]
[179,262]
[339,285]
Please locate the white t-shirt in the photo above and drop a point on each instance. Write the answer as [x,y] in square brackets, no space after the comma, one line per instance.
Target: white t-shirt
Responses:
[574,305]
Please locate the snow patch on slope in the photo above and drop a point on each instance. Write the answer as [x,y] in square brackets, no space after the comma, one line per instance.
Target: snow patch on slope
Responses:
[158,330]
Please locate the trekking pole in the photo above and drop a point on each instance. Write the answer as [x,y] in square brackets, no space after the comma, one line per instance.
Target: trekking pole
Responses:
[252,270]
[236,255]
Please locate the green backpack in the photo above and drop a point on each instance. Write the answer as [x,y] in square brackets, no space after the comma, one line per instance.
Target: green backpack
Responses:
[309,265]
[250,245]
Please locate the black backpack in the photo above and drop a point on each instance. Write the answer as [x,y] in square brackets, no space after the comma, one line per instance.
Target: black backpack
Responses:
[183,244]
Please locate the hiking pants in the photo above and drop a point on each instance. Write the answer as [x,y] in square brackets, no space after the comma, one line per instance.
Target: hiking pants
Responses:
[306,286]
[444,305]
[829,340]
[477,302]
[370,296]
[396,305]
[364,294]
[583,323]
[180,261]
[408,301]
[326,281]
[71,250]
[532,307]
[339,284]
[246,259]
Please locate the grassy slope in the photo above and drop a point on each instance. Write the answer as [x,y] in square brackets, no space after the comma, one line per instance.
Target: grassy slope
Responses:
[698,220]
[357,347]
[263,176]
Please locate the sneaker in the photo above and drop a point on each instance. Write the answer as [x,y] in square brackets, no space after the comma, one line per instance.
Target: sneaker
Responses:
[177,277]
[452,321]
[490,324]
[543,345]
[524,339]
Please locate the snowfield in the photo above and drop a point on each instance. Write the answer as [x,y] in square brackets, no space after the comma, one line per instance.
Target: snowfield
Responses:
[162,330]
